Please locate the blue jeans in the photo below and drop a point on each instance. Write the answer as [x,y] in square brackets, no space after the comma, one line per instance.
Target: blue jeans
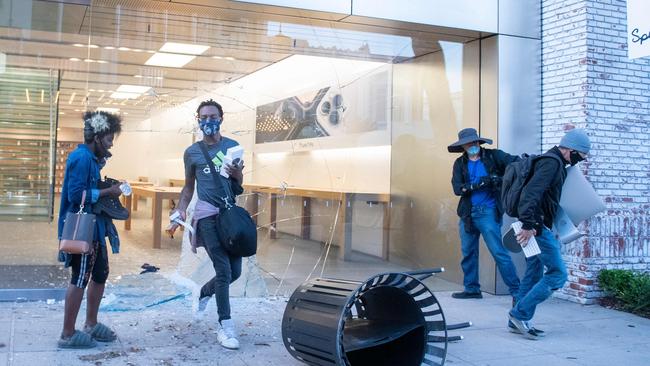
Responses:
[226,267]
[489,225]
[537,285]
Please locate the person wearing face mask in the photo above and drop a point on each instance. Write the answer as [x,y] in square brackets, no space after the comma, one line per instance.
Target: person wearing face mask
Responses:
[82,173]
[476,178]
[227,267]
[538,203]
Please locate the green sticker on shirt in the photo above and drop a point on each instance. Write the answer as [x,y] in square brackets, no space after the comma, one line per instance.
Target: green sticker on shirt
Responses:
[218,160]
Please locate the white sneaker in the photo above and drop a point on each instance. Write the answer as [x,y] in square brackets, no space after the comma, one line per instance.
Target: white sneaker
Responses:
[203,303]
[198,306]
[226,334]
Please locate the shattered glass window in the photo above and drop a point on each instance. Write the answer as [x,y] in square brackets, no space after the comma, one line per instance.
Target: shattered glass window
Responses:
[344,126]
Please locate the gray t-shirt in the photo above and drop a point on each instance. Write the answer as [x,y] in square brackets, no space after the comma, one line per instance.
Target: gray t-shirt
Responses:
[195,162]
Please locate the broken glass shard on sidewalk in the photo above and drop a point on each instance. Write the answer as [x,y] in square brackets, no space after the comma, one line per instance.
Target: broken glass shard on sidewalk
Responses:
[138,292]
[150,289]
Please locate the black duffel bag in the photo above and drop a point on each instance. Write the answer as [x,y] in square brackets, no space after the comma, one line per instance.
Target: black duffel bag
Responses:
[236,230]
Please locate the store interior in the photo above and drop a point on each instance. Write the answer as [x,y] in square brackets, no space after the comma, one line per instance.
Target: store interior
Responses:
[344,125]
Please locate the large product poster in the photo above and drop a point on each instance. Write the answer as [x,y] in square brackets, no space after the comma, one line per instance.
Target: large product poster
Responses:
[332,110]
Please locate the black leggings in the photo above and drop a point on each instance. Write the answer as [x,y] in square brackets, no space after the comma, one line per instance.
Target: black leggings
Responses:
[85,265]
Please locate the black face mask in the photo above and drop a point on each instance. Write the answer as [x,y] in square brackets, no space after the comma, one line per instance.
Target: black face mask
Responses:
[575,157]
[103,151]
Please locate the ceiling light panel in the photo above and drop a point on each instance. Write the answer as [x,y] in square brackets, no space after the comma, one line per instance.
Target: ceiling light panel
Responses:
[121,95]
[184,48]
[138,89]
[109,110]
[169,59]
[129,91]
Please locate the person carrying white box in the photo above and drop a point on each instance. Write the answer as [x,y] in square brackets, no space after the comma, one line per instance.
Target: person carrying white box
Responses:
[198,174]
[537,207]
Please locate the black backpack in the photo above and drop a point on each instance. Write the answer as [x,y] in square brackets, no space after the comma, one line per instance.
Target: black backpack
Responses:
[235,228]
[515,178]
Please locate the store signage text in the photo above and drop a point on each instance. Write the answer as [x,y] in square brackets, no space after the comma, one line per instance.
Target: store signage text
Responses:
[639,38]
[638,26]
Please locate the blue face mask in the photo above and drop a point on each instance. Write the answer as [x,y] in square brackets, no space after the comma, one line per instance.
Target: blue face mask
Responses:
[210,126]
[474,150]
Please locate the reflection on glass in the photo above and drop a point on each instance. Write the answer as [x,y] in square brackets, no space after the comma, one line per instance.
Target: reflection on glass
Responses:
[343,124]
[434,96]
[341,41]
[26,98]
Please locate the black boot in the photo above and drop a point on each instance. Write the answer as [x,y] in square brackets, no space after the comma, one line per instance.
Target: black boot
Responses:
[467,295]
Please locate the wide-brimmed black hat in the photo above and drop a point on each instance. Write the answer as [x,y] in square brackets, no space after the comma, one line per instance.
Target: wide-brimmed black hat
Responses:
[465,136]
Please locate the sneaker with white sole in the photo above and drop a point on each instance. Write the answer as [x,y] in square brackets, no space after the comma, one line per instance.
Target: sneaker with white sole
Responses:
[513,329]
[226,334]
[523,328]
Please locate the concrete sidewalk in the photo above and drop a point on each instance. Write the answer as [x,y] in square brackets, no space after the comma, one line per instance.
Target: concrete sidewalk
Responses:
[167,335]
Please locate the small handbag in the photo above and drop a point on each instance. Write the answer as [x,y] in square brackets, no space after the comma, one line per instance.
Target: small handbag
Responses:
[236,229]
[78,231]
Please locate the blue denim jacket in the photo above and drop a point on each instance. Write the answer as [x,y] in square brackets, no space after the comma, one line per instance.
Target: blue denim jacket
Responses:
[82,174]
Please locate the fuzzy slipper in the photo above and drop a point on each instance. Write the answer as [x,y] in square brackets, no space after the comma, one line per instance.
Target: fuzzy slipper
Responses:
[101,333]
[78,340]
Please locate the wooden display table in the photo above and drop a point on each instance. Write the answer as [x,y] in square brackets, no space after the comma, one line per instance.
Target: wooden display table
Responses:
[157,195]
[134,198]
[130,202]
[345,211]
[176,182]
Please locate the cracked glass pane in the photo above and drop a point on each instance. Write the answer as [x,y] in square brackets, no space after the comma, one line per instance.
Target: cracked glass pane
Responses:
[344,127]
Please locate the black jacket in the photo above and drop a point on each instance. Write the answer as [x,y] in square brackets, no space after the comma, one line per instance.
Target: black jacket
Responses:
[540,197]
[495,162]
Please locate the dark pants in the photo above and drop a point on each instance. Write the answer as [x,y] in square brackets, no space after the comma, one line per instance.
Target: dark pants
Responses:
[227,268]
[89,266]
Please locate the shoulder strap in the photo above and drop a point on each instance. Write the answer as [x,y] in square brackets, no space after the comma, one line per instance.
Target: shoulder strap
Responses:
[547,155]
[83,200]
[217,177]
[83,195]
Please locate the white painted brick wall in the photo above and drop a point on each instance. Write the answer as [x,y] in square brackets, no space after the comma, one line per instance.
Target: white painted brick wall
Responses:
[588,82]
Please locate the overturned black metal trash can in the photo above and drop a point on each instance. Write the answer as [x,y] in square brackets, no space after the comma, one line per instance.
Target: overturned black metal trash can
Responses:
[390,319]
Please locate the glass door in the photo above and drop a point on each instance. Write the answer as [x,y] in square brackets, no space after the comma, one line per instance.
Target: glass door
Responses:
[27,132]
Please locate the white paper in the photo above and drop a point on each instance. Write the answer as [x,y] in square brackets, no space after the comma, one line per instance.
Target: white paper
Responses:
[176,217]
[185,224]
[531,249]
